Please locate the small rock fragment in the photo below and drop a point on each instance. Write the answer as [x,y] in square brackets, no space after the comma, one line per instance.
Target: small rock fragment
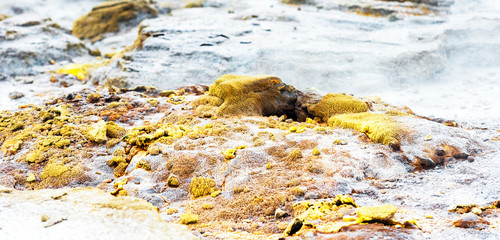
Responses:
[428,137]
[229,153]
[476,211]
[471,220]
[154,150]
[167,93]
[269,165]
[426,163]
[189,218]
[16,95]
[31,178]
[461,156]
[94,97]
[45,218]
[382,214]
[293,227]
[339,142]
[316,152]
[216,193]
[171,211]
[279,213]
[173,181]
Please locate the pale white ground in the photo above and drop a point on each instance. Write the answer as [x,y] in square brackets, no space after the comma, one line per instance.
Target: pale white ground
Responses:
[81,213]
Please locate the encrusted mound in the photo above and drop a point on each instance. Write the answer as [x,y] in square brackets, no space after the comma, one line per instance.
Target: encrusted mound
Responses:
[332,104]
[381,128]
[234,95]
[107,17]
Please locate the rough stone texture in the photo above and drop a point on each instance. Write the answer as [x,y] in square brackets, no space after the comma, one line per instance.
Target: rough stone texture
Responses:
[81,213]
[108,16]
[29,42]
[256,40]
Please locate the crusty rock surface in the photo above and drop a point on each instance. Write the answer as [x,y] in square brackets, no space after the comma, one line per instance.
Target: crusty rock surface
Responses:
[248,95]
[81,213]
[109,16]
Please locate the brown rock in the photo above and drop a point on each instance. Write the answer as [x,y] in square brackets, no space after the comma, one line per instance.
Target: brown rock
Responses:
[471,220]
[108,16]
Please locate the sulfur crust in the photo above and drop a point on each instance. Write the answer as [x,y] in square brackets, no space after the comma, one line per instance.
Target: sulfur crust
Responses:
[383,213]
[379,127]
[332,104]
[200,186]
[240,93]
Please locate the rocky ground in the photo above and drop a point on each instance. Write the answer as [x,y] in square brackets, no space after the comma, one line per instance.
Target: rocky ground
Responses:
[120,120]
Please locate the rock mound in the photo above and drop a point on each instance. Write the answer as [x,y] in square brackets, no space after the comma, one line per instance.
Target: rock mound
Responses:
[234,95]
[332,104]
[108,16]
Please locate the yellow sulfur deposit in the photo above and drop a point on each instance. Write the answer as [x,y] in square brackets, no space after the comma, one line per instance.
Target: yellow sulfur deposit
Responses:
[295,154]
[233,95]
[382,214]
[316,152]
[77,70]
[319,210]
[344,200]
[229,153]
[54,170]
[200,186]
[97,132]
[333,104]
[379,127]
[119,191]
[189,218]
[293,1]
[80,70]
[215,193]
[207,206]
[294,227]
[100,131]
[171,211]
[194,4]
[173,181]
[31,177]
